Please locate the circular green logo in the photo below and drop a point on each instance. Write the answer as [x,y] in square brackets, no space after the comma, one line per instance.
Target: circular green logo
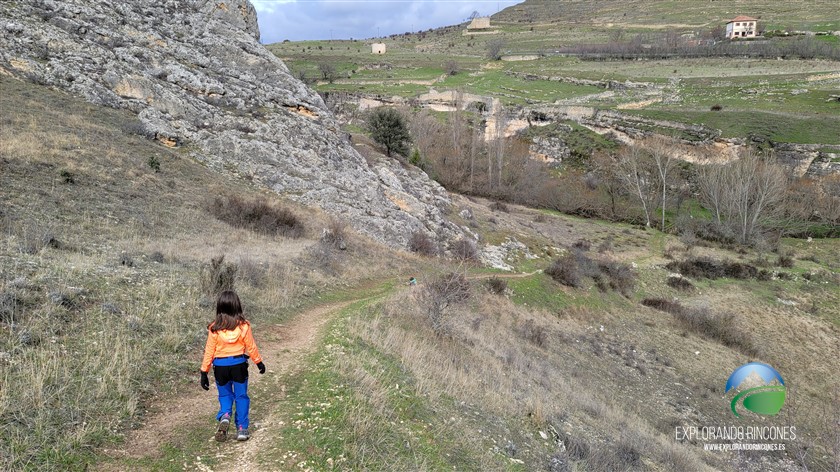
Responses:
[766,399]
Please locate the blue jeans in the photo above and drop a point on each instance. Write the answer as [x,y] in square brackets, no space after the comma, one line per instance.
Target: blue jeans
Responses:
[232,383]
[230,393]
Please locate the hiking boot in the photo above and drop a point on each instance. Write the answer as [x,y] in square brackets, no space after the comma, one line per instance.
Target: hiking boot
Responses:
[221,432]
[242,434]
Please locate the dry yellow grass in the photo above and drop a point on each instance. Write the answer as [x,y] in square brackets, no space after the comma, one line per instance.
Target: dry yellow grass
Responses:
[100,259]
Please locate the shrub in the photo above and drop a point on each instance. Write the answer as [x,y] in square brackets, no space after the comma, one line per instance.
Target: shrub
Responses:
[786,260]
[622,277]
[577,447]
[126,260]
[499,206]
[422,244]
[335,234]
[34,239]
[494,49]
[451,68]
[157,256]
[606,245]
[565,270]
[706,267]
[326,257]
[533,333]
[716,107]
[465,250]
[497,285]
[218,276]
[154,163]
[721,327]
[582,244]
[628,450]
[9,307]
[439,294]
[251,271]
[680,283]
[256,215]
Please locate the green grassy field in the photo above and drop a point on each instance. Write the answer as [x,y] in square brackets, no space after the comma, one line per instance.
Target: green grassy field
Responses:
[787,100]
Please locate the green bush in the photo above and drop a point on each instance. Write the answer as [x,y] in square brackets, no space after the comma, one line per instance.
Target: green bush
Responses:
[389,128]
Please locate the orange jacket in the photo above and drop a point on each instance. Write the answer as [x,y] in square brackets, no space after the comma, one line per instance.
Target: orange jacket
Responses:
[234,342]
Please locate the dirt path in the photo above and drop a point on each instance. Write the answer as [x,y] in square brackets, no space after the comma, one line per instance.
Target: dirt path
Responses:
[283,346]
[521,275]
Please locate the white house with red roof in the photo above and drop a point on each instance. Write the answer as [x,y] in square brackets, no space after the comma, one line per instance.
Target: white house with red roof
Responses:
[741,27]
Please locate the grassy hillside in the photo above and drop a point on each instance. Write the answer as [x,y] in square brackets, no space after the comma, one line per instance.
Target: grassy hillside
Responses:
[815,16]
[104,272]
[106,239]
[543,64]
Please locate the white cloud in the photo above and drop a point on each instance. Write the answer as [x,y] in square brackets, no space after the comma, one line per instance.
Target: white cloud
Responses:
[269,6]
[344,19]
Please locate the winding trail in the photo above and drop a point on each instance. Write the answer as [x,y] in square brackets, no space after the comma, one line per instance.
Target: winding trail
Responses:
[283,346]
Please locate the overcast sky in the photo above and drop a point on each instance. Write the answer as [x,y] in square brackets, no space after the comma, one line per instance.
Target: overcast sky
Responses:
[360,19]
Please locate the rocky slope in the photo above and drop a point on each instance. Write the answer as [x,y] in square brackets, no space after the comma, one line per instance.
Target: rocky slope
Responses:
[198,78]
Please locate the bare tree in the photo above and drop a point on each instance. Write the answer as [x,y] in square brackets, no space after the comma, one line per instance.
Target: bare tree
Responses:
[476,147]
[451,68]
[744,192]
[639,177]
[327,71]
[662,156]
[756,186]
[499,147]
[712,181]
[439,294]
[608,179]
[494,49]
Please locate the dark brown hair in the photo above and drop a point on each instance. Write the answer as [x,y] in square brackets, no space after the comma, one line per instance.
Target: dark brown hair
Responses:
[228,312]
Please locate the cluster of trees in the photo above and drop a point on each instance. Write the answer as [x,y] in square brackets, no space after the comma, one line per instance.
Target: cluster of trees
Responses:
[673,45]
[743,201]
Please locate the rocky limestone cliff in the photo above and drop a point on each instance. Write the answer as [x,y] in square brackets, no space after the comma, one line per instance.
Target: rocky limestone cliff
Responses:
[196,75]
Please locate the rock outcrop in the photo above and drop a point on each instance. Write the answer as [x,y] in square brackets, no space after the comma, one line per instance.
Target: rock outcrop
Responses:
[197,76]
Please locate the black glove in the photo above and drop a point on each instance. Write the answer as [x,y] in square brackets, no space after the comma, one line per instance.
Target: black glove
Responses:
[261,366]
[205,382]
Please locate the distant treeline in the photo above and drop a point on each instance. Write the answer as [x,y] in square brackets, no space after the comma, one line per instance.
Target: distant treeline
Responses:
[802,48]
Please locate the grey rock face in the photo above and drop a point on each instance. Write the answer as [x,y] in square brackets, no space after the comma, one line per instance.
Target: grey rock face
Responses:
[196,75]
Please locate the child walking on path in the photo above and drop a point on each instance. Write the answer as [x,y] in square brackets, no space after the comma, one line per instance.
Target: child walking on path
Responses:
[229,344]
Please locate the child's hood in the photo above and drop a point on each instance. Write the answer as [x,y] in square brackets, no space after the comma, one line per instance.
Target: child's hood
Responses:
[231,336]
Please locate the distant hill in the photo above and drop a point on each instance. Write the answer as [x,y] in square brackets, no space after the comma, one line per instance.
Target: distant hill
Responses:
[806,15]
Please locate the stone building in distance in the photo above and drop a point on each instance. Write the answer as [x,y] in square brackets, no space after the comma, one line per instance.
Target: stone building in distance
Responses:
[741,27]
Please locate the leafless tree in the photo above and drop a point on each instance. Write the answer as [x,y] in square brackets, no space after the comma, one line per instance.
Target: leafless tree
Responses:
[440,293]
[757,185]
[451,68]
[327,71]
[476,148]
[608,179]
[744,192]
[660,151]
[712,181]
[639,176]
[426,131]
[499,149]
[494,49]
